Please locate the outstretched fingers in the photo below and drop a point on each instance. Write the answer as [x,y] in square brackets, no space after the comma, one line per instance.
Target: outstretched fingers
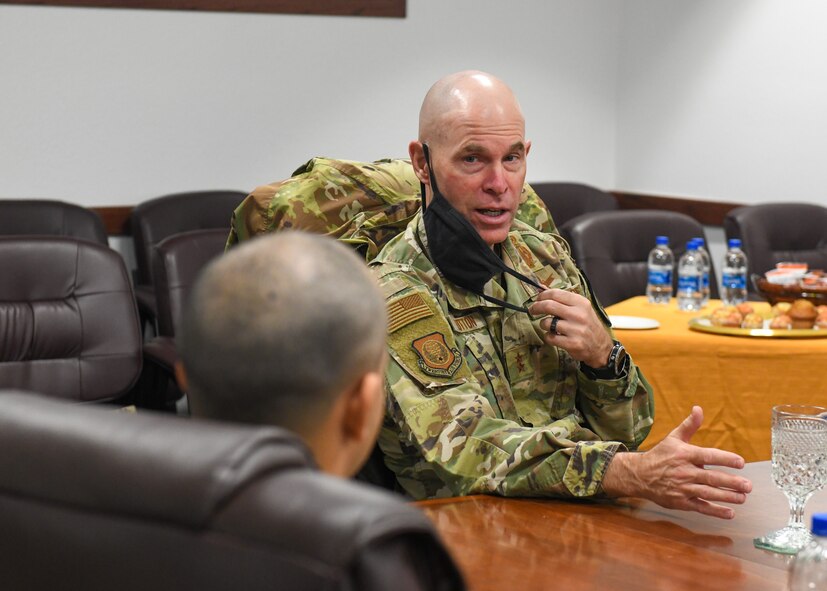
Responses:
[709,456]
[706,508]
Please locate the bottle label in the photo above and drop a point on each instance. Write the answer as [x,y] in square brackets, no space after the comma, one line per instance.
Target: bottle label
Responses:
[705,282]
[689,283]
[660,276]
[734,280]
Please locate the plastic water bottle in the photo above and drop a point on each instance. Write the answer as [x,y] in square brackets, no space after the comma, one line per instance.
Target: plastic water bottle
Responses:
[707,264]
[690,270]
[809,568]
[661,264]
[734,274]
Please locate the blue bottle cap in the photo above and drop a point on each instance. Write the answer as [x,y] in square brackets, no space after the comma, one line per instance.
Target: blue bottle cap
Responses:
[734,243]
[662,240]
[699,240]
[692,245]
[820,524]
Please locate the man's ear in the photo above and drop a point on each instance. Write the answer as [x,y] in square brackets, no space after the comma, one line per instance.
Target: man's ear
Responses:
[181,376]
[420,166]
[364,408]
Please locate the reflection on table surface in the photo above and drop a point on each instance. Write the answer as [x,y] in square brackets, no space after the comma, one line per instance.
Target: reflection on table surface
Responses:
[737,380]
[622,544]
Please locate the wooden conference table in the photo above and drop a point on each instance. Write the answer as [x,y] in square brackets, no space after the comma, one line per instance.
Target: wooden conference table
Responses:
[737,380]
[624,544]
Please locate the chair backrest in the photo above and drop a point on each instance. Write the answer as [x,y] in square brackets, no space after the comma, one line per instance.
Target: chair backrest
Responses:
[51,218]
[68,320]
[154,220]
[96,499]
[612,248]
[178,259]
[569,200]
[774,232]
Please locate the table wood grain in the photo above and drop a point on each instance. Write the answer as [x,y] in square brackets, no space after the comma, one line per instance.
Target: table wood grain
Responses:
[619,544]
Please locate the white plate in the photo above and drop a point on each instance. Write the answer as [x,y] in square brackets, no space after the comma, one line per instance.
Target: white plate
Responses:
[633,322]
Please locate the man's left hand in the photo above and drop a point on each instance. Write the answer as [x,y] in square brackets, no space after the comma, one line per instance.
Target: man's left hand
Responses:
[578,329]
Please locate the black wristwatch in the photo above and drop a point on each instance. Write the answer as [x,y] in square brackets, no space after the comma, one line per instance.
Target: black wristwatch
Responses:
[617,367]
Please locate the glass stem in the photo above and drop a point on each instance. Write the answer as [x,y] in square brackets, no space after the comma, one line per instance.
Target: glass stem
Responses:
[797,512]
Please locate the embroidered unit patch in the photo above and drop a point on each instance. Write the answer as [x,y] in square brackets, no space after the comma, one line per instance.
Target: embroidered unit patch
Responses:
[435,357]
[405,310]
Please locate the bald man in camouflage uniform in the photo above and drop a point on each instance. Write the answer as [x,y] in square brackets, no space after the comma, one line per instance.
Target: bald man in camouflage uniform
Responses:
[484,399]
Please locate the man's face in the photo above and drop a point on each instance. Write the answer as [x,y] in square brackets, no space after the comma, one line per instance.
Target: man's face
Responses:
[480,166]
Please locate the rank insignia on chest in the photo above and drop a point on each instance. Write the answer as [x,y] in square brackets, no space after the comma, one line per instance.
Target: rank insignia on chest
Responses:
[436,358]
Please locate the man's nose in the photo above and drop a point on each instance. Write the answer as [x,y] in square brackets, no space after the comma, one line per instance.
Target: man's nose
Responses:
[495,181]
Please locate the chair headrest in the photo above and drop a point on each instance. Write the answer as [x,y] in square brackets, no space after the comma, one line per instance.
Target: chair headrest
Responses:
[142,464]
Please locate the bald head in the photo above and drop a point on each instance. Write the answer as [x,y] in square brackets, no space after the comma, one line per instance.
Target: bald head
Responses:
[462,95]
[279,327]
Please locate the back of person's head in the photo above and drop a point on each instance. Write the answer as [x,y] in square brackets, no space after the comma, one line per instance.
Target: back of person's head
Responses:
[289,330]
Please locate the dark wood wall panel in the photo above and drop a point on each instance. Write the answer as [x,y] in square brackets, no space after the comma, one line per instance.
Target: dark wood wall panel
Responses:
[708,213]
[391,8]
[116,219]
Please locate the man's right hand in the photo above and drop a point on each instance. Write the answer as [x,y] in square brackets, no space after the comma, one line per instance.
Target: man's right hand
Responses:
[673,474]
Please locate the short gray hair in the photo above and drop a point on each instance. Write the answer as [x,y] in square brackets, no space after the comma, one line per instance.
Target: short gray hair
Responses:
[278,327]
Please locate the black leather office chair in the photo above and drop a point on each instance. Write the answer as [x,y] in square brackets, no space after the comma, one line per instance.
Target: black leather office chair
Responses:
[774,232]
[96,499]
[158,218]
[569,200]
[68,321]
[52,218]
[178,260]
[612,248]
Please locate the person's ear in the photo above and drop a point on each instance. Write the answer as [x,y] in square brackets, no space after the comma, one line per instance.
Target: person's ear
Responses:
[181,376]
[364,409]
[420,166]
[527,147]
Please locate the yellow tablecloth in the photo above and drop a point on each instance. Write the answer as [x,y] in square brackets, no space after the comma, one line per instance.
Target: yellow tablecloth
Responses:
[737,380]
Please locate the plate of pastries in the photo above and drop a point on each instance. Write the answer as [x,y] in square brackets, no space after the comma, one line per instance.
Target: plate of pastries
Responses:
[800,318]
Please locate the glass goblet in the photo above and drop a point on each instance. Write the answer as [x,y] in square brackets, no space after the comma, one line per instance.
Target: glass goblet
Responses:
[799,468]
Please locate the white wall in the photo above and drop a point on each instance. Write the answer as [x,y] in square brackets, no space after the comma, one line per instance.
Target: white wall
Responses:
[724,100]
[111,107]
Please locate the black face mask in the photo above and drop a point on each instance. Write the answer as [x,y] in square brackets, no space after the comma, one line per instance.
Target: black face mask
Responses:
[457,249]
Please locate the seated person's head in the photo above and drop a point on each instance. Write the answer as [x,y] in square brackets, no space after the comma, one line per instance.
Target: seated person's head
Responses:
[289,330]
[475,131]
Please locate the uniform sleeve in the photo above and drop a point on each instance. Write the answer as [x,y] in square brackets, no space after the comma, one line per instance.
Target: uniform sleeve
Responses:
[466,449]
[617,410]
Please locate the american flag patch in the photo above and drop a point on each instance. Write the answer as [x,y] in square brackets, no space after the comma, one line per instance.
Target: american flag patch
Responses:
[405,310]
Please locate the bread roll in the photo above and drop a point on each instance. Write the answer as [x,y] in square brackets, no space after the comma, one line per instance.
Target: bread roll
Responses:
[803,314]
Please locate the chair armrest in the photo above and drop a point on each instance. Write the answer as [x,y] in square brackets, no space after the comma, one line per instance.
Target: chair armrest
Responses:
[162,352]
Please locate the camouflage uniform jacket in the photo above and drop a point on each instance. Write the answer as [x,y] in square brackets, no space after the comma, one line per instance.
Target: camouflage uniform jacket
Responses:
[477,402]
